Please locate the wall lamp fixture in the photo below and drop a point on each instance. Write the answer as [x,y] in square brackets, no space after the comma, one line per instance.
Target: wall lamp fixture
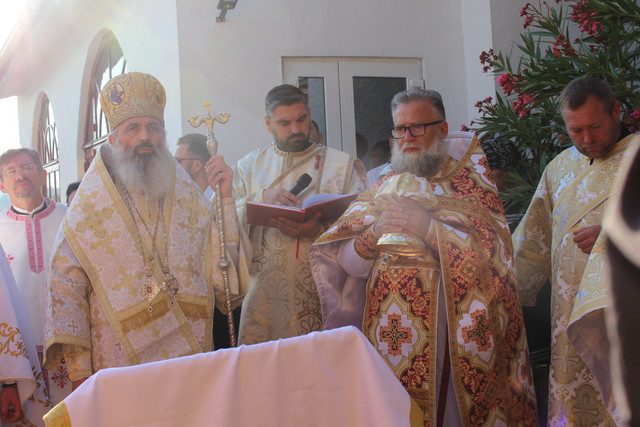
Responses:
[225,5]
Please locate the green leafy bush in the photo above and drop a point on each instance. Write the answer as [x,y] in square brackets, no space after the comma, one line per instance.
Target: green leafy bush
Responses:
[560,42]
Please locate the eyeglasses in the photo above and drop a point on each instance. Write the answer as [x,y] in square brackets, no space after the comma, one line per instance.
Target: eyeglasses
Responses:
[25,169]
[182,159]
[399,132]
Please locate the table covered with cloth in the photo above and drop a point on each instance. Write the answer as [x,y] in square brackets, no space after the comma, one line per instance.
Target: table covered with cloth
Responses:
[331,378]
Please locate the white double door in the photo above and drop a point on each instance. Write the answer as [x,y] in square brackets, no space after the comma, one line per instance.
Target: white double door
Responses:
[349,96]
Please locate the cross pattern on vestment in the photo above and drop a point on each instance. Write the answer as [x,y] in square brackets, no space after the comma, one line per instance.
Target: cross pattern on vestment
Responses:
[568,362]
[94,220]
[60,376]
[394,334]
[586,407]
[74,326]
[607,174]
[479,331]
[468,269]
[193,204]
[277,294]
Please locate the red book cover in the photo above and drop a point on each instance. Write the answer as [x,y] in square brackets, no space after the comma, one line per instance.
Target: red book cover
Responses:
[330,205]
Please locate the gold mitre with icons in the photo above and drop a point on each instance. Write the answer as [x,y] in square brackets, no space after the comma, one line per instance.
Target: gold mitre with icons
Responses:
[414,188]
[132,95]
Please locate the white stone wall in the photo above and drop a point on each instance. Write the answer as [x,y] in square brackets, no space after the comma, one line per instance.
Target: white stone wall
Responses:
[234,64]
[244,55]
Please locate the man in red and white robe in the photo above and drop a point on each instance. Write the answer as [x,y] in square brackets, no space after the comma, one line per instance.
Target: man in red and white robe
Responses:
[442,311]
[27,231]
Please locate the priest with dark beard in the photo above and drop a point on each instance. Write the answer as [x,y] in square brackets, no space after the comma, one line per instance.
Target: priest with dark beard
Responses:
[135,272]
[422,263]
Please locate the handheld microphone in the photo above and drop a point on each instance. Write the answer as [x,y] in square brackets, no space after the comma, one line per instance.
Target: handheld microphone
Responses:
[302,183]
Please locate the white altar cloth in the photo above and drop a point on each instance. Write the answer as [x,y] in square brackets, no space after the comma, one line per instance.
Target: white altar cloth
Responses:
[330,378]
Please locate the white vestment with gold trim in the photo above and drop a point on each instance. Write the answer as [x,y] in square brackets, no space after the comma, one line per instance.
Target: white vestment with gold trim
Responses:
[106,305]
[19,361]
[283,300]
[572,194]
[27,239]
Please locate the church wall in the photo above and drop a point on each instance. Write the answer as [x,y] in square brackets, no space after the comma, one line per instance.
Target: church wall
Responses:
[146,31]
[233,64]
[477,36]
[242,58]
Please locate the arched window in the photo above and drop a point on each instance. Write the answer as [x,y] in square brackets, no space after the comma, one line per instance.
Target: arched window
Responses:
[110,62]
[48,149]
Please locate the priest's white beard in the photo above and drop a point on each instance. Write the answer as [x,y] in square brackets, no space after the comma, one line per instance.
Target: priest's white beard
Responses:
[425,163]
[146,173]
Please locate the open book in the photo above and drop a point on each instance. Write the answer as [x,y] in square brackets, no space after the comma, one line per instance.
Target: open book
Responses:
[330,205]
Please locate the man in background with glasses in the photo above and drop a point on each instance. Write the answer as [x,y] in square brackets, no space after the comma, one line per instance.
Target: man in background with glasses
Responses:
[441,306]
[27,231]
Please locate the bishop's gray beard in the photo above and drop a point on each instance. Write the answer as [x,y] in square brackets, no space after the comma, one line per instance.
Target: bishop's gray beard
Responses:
[147,173]
[424,164]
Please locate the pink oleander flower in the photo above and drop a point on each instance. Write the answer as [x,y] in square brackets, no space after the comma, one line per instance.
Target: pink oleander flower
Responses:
[527,22]
[486,58]
[509,83]
[587,19]
[562,46]
[528,12]
[521,105]
[633,120]
[531,13]
[485,106]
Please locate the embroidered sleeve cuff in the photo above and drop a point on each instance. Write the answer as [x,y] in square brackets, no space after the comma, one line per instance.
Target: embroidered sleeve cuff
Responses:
[365,245]
[78,362]
[75,376]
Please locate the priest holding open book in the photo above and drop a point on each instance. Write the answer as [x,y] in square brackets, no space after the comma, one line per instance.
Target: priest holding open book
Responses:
[283,301]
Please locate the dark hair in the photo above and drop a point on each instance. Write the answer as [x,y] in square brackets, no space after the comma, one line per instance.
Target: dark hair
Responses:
[283,95]
[382,145]
[71,188]
[501,153]
[315,125]
[576,93]
[416,94]
[196,144]
[12,152]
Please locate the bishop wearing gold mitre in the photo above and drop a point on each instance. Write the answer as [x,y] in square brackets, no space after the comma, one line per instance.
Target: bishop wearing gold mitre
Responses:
[134,275]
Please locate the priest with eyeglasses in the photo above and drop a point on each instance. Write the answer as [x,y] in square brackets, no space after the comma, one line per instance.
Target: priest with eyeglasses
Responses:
[422,262]
[28,230]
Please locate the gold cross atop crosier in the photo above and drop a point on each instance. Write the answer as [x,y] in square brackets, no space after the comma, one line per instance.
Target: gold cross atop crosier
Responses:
[209,120]
[212,146]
